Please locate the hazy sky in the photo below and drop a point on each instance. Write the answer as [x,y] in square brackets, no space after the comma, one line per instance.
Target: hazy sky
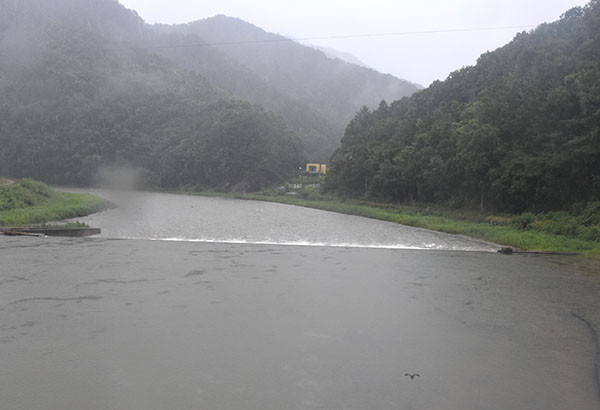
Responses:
[421,58]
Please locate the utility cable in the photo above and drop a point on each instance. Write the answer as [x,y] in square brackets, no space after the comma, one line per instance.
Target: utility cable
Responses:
[402,33]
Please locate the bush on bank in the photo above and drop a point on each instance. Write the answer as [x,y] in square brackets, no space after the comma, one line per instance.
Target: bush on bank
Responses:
[28,202]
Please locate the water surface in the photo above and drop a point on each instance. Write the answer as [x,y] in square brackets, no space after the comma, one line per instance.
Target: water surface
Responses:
[157,216]
[198,323]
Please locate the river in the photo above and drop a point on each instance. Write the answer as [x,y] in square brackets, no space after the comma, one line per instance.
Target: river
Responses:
[203,219]
[187,302]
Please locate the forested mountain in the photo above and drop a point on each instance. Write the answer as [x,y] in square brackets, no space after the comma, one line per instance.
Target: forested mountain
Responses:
[79,93]
[318,120]
[319,135]
[518,131]
[331,87]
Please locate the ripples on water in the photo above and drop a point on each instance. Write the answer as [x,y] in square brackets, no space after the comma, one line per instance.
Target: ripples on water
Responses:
[168,217]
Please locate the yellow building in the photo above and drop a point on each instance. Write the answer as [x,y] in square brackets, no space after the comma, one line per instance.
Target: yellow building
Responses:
[316,168]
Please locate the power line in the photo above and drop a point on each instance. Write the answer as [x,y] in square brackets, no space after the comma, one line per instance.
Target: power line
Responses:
[402,33]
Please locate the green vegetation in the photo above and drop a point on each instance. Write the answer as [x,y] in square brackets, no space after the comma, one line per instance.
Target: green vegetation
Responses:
[87,85]
[331,89]
[306,179]
[519,131]
[30,202]
[81,92]
[576,232]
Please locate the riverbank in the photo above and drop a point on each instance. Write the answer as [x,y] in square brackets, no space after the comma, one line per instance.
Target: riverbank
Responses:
[556,232]
[29,202]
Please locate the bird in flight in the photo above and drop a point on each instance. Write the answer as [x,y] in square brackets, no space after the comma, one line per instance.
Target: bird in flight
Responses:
[413,375]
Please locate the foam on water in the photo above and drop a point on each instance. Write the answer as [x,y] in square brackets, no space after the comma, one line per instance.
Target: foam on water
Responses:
[429,246]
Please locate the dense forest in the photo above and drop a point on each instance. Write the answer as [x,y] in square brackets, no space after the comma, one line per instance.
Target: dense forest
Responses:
[75,99]
[319,134]
[518,131]
[87,85]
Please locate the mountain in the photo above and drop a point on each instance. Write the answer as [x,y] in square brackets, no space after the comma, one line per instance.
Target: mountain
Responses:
[341,55]
[331,87]
[88,84]
[82,91]
[320,136]
[332,53]
[519,131]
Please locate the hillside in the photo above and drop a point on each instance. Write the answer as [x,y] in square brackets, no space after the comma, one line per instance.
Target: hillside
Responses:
[79,94]
[333,88]
[314,95]
[519,131]
[319,135]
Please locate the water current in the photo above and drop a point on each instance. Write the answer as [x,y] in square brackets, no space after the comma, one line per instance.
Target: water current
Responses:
[171,217]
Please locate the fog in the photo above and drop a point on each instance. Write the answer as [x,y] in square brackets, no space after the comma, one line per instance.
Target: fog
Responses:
[123,178]
[420,58]
[187,301]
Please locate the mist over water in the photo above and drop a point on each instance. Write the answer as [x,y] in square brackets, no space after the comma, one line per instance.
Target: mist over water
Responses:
[169,217]
[118,178]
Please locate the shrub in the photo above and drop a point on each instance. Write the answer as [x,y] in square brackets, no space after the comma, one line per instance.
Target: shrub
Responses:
[498,220]
[524,220]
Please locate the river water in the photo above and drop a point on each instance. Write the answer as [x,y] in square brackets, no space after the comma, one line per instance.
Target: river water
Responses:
[220,317]
[202,219]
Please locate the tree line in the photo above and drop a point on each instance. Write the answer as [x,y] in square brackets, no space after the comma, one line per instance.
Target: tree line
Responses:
[518,131]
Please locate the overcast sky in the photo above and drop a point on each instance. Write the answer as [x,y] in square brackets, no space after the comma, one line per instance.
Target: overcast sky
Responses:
[421,58]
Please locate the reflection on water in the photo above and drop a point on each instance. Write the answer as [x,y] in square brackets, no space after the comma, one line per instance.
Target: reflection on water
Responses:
[170,217]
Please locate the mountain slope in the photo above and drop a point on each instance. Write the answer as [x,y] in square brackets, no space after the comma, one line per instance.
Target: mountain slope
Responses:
[77,97]
[319,135]
[113,22]
[518,131]
[333,88]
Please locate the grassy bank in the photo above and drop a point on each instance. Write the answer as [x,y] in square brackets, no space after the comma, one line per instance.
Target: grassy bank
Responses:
[576,232]
[29,202]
